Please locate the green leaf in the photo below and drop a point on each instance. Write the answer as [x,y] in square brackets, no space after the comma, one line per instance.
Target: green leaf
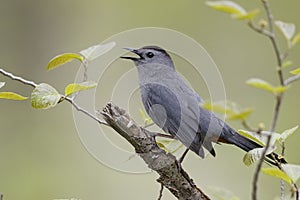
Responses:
[248,16]
[12,96]
[295,71]
[287,133]
[280,89]
[243,115]
[227,6]
[274,137]
[262,137]
[2,84]
[44,96]
[287,29]
[252,136]
[277,173]
[252,156]
[261,84]
[287,63]
[296,39]
[293,171]
[62,59]
[255,154]
[76,87]
[95,51]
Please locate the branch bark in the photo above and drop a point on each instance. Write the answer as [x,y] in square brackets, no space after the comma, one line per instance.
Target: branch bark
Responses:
[172,175]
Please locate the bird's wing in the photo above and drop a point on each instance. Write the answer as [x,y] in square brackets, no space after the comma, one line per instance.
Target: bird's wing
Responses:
[177,113]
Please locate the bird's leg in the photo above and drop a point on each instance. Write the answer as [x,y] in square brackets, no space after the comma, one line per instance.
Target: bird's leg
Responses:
[178,162]
[183,155]
[181,170]
[181,159]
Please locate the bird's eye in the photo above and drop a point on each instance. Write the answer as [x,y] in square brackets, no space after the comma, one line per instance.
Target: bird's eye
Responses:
[149,54]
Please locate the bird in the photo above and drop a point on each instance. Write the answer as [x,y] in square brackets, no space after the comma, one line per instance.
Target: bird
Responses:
[176,108]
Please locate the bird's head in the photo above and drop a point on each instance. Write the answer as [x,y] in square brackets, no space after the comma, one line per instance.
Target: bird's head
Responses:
[149,55]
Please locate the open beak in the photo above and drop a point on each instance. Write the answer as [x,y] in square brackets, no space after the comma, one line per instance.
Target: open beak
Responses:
[133,51]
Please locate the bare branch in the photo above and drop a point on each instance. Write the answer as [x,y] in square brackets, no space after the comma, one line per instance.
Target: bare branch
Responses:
[273,40]
[17,78]
[78,108]
[172,176]
[271,36]
[259,29]
[291,79]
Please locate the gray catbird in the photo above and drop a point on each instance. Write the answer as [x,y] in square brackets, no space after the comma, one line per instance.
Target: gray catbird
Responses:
[175,107]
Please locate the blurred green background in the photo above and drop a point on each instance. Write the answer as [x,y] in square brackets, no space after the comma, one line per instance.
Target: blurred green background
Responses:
[41,156]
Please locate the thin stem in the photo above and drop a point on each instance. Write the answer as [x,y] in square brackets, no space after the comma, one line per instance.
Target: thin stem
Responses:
[248,127]
[85,73]
[273,40]
[79,109]
[271,36]
[18,78]
[259,29]
[291,79]
[33,84]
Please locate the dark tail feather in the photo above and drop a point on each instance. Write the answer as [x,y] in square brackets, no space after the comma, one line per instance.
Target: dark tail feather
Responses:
[247,145]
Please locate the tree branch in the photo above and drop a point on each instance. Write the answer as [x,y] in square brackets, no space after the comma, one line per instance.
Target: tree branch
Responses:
[172,176]
[79,109]
[17,78]
[271,35]
[291,79]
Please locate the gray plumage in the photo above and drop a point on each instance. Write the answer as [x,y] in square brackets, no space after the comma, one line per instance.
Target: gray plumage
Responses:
[175,107]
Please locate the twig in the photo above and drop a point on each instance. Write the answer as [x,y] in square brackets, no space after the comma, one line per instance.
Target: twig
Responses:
[248,127]
[85,67]
[173,177]
[259,29]
[17,78]
[271,36]
[1,196]
[291,79]
[79,109]
[161,191]
[273,40]
[33,84]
